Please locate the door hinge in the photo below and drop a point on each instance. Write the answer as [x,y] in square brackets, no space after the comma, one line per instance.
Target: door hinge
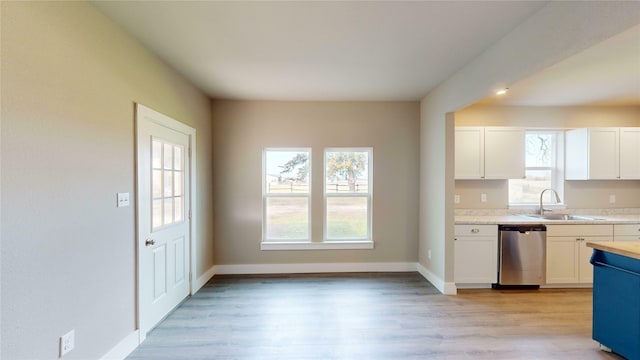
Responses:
[190,276]
[189,214]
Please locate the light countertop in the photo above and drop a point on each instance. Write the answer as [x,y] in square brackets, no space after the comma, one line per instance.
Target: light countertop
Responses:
[625,248]
[523,219]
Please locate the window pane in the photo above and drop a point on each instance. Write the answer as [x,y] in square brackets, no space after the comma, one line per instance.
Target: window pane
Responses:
[347,217]
[178,209]
[177,185]
[540,149]
[177,157]
[168,156]
[156,154]
[286,171]
[168,183]
[156,183]
[168,211]
[287,218]
[528,190]
[347,172]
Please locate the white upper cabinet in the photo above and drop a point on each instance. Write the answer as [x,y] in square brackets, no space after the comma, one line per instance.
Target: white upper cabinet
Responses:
[469,153]
[603,154]
[630,153]
[504,153]
[489,153]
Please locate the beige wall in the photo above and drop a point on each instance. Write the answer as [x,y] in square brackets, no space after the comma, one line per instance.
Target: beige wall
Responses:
[242,129]
[559,117]
[557,31]
[577,194]
[70,79]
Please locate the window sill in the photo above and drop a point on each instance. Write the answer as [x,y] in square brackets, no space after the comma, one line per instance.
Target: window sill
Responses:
[328,245]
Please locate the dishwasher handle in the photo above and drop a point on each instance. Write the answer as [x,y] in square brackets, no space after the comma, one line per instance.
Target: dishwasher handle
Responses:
[522,228]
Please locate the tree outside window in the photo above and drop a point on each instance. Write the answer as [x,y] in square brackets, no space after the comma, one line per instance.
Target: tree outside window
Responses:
[286,194]
[348,194]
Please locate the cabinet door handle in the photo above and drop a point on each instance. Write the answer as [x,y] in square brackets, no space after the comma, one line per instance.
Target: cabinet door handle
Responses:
[475,230]
[149,242]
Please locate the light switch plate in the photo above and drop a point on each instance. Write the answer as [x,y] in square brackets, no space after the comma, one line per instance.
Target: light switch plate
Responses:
[123,199]
[483,198]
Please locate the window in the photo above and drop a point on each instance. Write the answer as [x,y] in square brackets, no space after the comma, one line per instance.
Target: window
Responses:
[347,194]
[543,164]
[167,183]
[286,194]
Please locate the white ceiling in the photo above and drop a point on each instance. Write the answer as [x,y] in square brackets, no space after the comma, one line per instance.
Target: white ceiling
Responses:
[605,74]
[318,50]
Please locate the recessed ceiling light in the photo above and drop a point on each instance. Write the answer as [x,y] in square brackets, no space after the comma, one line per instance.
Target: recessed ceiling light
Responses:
[502,91]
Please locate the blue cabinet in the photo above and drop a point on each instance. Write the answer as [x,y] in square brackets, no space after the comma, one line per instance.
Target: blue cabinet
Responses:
[616,302]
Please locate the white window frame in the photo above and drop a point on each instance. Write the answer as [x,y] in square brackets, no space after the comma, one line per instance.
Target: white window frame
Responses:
[266,195]
[319,244]
[368,239]
[557,171]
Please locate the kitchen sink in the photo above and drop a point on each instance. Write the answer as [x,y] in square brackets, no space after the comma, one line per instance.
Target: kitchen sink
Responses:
[561,217]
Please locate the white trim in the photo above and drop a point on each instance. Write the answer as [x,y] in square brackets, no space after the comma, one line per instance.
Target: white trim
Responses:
[447,288]
[193,241]
[124,348]
[473,286]
[144,113]
[203,279]
[314,268]
[327,245]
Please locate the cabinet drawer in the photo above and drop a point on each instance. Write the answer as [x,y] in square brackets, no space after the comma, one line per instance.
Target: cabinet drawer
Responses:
[626,230]
[580,230]
[476,230]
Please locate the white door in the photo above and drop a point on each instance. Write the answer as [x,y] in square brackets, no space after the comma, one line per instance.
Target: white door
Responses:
[163,190]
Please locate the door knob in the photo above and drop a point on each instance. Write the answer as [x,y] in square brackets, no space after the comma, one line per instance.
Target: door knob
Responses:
[149,242]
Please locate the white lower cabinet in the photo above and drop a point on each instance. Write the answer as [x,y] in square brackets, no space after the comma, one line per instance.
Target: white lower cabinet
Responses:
[476,254]
[626,232]
[567,254]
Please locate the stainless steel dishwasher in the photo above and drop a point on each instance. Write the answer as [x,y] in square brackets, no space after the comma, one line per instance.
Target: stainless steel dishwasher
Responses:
[522,255]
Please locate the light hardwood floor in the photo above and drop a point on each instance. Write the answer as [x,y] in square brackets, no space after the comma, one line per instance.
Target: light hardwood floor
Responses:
[371,316]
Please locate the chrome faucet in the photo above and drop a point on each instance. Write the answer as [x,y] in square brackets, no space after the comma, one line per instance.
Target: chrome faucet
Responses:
[542,209]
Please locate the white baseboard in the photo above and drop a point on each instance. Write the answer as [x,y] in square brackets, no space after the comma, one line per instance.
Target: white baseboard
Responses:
[123,348]
[473,286]
[313,268]
[202,280]
[444,287]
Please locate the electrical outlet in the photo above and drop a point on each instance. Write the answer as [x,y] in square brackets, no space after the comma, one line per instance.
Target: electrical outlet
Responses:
[123,199]
[429,254]
[483,198]
[612,199]
[67,342]
[456,199]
